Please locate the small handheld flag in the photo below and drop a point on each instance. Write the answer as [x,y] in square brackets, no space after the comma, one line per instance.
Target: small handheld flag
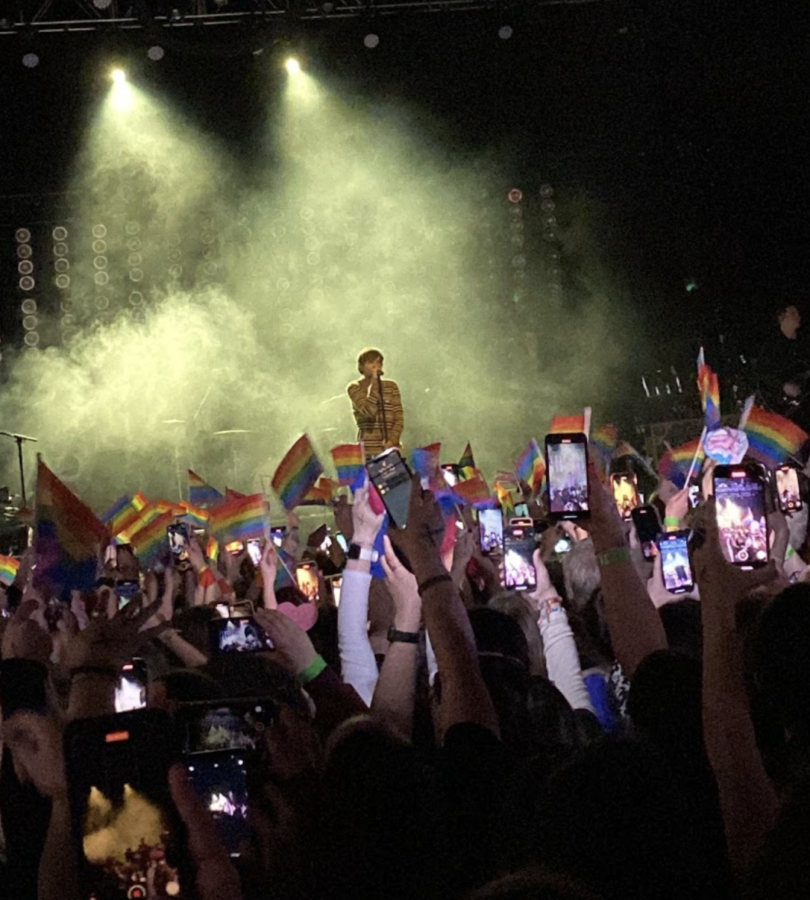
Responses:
[567,425]
[350,464]
[152,539]
[8,569]
[243,519]
[425,460]
[709,388]
[466,465]
[772,438]
[297,473]
[201,493]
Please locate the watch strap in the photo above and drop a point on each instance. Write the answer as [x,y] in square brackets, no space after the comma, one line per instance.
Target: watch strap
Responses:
[402,637]
[365,554]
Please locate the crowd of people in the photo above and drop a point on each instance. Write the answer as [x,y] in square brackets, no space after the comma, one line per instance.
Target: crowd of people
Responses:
[433,734]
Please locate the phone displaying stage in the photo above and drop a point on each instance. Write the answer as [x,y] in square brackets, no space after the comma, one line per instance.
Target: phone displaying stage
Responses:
[125,591]
[235,724]
[787,489]
[518,548]
[242,635]
[390,475]
[130,692]
[220,782]
[306,577]
[178,541]
[254,548]
[567,476]
[648,527]
[450,471]
[490,529]
[522,510]
[741,519]
[129,838]
[675,567]
[625,493]
[278,534]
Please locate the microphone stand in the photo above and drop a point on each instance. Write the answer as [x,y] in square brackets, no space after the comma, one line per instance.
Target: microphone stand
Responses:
[382,408]
[19,438]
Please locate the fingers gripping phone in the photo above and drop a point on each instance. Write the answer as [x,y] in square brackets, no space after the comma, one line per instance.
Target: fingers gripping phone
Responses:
[567,476]
[787,489]
[518,548]
[127,833]
[390,475]
[675,567]
[741,514]
[648,527]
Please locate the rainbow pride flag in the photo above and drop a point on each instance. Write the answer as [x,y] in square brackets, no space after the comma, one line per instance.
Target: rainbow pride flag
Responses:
[505,499]
[231,494]
[195,516]
[530,466]
[67,536]
[148,514]
[200,492]
[212,549]
[674,464]
[297,473]
[124,512]
[772,438]
[151,540]
[474,492]
[603,442]
[425,460]
[242,519]
[466,465]
[567,425]
[8,569]
[709,388]
[350,464]
[319,495]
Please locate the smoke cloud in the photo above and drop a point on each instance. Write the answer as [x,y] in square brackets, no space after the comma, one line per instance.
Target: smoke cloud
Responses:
[236,303]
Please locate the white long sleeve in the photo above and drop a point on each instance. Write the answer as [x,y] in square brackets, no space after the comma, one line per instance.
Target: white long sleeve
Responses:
[357,663]
[562,659]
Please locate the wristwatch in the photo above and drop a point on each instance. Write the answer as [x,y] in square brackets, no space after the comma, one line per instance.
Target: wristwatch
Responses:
[364,553]
[404,637]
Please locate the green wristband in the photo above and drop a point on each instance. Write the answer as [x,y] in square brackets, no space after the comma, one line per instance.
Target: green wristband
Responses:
[614,556]
[671,523]
[313,670]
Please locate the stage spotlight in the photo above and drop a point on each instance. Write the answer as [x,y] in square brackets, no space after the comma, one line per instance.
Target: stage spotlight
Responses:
[292,65]
[118,75]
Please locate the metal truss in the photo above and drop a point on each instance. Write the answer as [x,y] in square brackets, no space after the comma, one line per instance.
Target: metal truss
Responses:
[49,16]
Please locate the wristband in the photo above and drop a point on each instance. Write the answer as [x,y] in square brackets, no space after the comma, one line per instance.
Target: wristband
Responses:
[671,523]
[402,637]
[789,552]
[432,582]
[94,670]
[614,556]
[313,670]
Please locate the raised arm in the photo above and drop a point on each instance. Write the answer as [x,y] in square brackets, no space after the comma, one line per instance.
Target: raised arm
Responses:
[635,626]
[465,698]
[365,399]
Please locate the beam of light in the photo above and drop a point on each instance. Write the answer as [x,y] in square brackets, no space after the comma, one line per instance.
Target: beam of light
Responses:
[292,65]
[118,75]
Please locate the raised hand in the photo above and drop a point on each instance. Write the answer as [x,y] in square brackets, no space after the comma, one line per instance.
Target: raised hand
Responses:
[365,522]
[25,637]
[292,644]
[404,590]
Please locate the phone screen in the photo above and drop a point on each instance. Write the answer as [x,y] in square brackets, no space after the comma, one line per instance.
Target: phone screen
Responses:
[242,635]
[237,724]
[694,494]
[277,535]
[625,493]
[675,568]
[563,544]
[254,548]
[741,519]
[567,467]
[178,541]
[220,782]
[337,584]
[390,475]
[341,539]
[518,548]
[130,692]
[522,510]
[306,577]
[490,528]
[129,836]
[787,489]
[450,471]
[125,591]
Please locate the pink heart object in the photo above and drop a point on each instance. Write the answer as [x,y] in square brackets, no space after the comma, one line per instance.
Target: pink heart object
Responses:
[304,616]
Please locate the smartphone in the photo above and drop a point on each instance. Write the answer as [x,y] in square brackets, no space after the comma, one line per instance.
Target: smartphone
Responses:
[306,577]
[125,591]
[563,544]
[220,782]
[522,510]
[341,539]
[648,527]
[694,494]
[178,541]
[278,534]
[450,471]
[130,692]
[208,726]
[675,567]
[490,529]
[390,475]
[625,493]
[518,548]
[129,838]
[234,547]
[254,548]
[237,635]
[567,478]
[336,583]
[741,519]
[223,609]
[325,544]
[787,489]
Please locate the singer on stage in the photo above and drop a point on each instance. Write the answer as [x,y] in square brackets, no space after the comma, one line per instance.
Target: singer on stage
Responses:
[376,404]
